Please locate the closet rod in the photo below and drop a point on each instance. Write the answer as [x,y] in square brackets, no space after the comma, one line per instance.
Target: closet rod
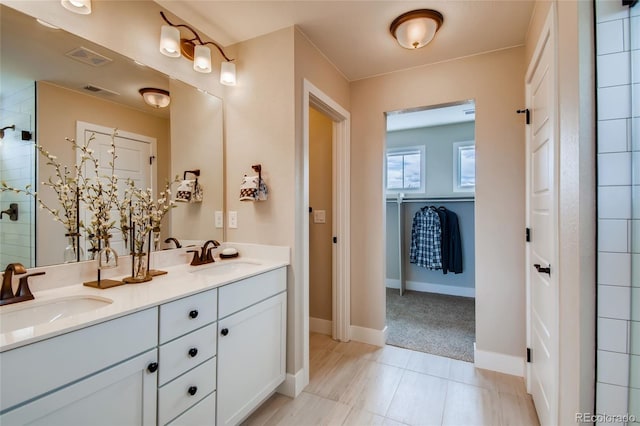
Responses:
[430,200]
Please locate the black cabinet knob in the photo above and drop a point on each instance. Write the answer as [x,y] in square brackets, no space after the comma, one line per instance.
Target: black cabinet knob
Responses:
[193,314]
[192,390]
[193,352]
[224,331]
[153,367]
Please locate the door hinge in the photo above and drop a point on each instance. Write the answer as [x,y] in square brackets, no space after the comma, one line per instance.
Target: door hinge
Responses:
[335,240]
[527,235]
[527,114]
[151,158]
[310,209]
[528,354]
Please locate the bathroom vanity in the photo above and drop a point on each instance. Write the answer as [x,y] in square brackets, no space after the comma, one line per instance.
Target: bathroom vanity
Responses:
[198,346]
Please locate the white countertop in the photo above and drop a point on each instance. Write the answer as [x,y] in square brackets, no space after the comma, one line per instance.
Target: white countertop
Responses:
[129,298]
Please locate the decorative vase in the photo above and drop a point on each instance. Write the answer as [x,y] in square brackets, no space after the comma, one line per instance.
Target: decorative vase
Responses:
[107,257]
[139,269]
[72,252]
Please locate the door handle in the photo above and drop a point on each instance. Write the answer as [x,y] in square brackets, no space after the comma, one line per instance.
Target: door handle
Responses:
[542,270]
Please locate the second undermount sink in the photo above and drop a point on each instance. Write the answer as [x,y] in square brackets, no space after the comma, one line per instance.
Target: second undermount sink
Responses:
[15,317]
[226,267]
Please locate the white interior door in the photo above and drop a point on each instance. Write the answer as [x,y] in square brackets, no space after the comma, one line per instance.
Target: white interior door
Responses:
[542,270]
[134,160]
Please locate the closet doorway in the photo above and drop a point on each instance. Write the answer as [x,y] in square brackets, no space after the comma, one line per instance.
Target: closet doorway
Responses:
[430,229]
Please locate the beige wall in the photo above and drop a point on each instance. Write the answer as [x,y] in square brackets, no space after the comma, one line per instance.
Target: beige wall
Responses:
[320,198]
[55,123]
[196,143]
[495,82]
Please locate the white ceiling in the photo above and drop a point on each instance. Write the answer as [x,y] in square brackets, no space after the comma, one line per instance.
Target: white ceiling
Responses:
[355,36]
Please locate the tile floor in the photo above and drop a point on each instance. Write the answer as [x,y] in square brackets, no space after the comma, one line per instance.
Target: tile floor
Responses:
[358,384]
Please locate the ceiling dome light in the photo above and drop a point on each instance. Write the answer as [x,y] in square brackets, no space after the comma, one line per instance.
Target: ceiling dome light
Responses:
[416,28]
[157,98]
[82,7]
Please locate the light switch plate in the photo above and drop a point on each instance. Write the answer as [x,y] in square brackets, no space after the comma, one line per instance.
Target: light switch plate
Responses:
[233,219]
[219,219]
[319,216]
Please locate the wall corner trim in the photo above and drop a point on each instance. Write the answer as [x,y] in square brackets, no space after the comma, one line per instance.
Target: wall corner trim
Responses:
[292,385]
[494,361]
[369,335]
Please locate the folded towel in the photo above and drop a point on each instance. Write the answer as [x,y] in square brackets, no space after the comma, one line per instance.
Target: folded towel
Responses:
[186,190]
[249,188]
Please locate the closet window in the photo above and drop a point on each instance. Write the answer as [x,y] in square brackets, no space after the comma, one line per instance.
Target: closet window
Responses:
[464,166]
[405,169]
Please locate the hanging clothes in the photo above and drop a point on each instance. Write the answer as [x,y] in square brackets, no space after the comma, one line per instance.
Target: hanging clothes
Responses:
[444,239]
[426,239]
[451,242]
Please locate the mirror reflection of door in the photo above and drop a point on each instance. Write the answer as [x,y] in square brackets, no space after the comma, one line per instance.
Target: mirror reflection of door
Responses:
[135,154]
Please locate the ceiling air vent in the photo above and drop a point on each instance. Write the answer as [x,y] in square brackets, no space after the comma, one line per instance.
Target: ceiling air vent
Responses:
[97,89]
[89,57]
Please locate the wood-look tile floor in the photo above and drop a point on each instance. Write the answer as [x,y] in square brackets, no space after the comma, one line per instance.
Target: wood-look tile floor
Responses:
[358,384]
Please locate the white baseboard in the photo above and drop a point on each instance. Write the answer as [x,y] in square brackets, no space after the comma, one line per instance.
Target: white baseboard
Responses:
[369,335]
[322,326]
[452,290]
[292,385]
[507,364]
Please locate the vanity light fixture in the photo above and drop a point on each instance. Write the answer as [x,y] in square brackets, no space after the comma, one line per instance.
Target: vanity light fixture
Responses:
[82,7]
[172,44]
[416,28]
[157,98]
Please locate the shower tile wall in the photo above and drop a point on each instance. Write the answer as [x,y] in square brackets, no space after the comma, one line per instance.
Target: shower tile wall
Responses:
[618,71]
[17,169]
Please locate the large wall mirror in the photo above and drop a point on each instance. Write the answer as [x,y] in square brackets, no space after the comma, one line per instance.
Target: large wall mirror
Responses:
[55,85]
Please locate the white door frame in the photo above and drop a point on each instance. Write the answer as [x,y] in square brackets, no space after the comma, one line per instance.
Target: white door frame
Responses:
[341,291]
[548,34]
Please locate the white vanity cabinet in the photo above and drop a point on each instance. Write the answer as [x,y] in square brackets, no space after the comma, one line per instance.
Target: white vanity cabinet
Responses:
[251,343]
[187,380]
[104,374]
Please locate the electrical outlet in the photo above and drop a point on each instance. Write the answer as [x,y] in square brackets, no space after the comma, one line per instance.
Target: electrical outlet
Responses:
[219,220]
[233,219]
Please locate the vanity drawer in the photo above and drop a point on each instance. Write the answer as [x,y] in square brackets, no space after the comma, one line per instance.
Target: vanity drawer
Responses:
[175,397]
[184,353]
[201,414]
[241,294]
[184,315]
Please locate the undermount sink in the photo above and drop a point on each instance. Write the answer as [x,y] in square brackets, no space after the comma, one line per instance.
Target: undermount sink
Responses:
[226,267]
[42,312]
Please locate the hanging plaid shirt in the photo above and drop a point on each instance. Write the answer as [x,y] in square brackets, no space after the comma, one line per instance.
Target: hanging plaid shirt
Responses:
[426,239]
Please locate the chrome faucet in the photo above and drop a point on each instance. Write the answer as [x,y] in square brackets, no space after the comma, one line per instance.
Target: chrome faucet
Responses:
[24,293]
[175,241]
[205,255]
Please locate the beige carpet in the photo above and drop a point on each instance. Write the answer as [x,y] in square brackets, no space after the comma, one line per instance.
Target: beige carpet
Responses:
[433,323]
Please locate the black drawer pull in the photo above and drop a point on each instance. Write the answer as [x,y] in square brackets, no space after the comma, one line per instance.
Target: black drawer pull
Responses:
[192,390]
[193,352]
[542,270]
[153,367]
[224,331]
[193,314]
